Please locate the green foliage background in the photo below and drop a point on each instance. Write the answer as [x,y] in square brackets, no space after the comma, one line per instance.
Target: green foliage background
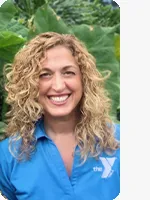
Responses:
[96,25]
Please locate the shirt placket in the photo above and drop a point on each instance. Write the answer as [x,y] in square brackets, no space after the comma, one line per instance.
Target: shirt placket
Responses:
[62,173]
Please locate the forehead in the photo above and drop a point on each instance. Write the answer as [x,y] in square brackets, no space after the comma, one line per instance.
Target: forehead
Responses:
[58,51]
[58,56]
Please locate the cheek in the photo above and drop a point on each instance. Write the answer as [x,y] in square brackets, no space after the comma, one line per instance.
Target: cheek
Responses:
[78,88]
[80,84]
[42,88]
[41,91]
[75,85]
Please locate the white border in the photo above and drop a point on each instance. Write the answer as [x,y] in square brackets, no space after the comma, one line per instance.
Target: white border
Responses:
[135,99]
[2,198]
[1,2]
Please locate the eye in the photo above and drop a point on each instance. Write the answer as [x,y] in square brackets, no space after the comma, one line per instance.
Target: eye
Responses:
[69,73]
[45,75]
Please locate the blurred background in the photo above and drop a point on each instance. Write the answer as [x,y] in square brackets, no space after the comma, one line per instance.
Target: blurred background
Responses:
[95,22]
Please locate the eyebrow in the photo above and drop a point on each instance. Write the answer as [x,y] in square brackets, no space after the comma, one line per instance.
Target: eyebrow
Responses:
[63,68]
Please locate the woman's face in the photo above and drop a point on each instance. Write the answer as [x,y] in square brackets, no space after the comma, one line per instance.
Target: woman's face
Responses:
[60,86]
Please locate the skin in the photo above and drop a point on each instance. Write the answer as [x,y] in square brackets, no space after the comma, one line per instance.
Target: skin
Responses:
[60,91]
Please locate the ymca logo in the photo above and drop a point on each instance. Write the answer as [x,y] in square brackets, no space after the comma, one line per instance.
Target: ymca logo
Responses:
[107,164]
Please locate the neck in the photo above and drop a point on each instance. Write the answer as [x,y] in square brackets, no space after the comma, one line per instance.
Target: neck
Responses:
[57,127]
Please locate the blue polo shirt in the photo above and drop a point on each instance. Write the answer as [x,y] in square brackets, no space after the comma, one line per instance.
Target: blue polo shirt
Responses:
[44,177]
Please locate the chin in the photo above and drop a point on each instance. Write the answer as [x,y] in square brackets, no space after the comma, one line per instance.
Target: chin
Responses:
[60,114]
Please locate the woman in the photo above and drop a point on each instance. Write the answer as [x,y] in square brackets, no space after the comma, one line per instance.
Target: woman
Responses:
[61,143]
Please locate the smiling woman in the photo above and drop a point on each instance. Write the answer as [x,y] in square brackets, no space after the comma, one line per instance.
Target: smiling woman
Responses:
[60,88]
[61,142]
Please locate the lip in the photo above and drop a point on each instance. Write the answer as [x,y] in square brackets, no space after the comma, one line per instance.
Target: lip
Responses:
[58,103]
[58,95]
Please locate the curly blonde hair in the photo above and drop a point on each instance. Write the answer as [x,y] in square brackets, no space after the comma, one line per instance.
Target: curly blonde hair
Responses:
[95,131]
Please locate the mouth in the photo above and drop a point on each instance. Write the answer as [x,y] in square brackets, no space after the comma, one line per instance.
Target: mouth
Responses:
[59,100]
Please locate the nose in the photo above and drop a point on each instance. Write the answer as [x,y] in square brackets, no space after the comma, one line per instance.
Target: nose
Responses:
[58,83]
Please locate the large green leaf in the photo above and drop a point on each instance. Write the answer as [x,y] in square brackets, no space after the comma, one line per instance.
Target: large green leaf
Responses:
[10,44]
[100,43]
[7,12]
[8,38]
[29,6]
[16,27]
[45,19]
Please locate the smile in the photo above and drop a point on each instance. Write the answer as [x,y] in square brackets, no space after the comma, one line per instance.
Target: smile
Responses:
[59,99]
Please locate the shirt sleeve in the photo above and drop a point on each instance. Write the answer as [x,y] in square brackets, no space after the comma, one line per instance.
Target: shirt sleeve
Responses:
[6,187]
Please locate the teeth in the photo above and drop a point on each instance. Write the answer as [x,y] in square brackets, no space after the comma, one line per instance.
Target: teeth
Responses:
[59,99]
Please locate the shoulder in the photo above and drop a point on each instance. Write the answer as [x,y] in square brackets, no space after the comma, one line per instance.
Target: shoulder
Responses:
[4,144]
[4,150]
[6,164]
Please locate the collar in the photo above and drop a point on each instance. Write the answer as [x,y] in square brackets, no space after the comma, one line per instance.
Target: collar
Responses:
[40,130]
